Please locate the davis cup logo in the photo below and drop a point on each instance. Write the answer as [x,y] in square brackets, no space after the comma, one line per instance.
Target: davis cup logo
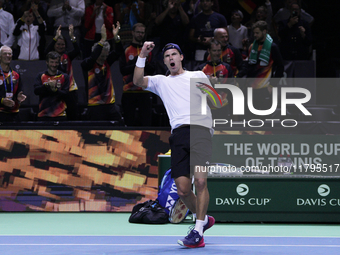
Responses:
[242,189]
[324,190]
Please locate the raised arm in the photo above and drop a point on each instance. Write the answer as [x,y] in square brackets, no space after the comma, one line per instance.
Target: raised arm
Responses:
[34,8]
[138,75]
[17,31]
[184,17]
[76,9]
[160,18]
[76,50]
[56,9]
[119,50]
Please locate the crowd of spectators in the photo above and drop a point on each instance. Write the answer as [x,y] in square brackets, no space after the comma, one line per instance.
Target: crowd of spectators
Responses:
[85,30]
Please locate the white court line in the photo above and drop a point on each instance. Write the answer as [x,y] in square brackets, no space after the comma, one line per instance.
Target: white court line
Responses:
[228,245]
[26,235]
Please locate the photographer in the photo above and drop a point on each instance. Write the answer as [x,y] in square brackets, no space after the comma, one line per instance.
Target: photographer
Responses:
[295,35]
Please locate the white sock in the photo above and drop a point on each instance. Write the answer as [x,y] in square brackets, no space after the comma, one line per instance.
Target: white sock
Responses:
[205,218]
[199,226]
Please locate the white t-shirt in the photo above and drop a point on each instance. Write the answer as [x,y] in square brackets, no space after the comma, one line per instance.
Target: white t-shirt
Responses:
[99,21]
[181,98]
[6,28]
[237,35]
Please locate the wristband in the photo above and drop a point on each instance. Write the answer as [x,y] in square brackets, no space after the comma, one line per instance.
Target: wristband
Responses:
[140,62]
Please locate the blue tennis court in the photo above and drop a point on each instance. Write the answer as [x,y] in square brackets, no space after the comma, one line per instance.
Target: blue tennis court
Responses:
[110,233]
[166,245]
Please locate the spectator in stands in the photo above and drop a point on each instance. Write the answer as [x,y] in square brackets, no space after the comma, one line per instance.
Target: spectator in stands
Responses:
[192,7]
[296,36]
[218,72]
[202,27]
[98,79]
[133,96]
[189,8]
[42,9]
[6,26]
[66,13]
[52,87]
[96,15]
[285,13]
[264,13]
[172,24]
[238,34]
[26,5]
[58,44]
[8,6]
[265,61]
[10,87]
[215,67]
[152,9]
[128,13]
[230,54]
[29,34]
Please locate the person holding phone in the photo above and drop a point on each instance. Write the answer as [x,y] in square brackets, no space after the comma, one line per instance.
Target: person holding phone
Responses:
[296,36]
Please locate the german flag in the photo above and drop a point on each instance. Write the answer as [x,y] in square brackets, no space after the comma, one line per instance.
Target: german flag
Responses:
[248,5]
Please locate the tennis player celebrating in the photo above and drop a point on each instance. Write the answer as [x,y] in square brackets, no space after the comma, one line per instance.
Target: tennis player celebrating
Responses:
[190,141]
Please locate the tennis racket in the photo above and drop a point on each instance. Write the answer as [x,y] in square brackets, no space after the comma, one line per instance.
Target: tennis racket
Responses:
[178,212]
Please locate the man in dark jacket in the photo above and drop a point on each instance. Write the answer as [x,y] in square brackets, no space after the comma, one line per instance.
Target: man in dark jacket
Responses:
[98,79]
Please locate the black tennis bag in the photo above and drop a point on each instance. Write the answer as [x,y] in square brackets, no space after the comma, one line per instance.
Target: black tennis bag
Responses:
[149,212]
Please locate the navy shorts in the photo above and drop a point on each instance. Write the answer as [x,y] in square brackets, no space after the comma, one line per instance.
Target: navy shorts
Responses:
[190,146]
